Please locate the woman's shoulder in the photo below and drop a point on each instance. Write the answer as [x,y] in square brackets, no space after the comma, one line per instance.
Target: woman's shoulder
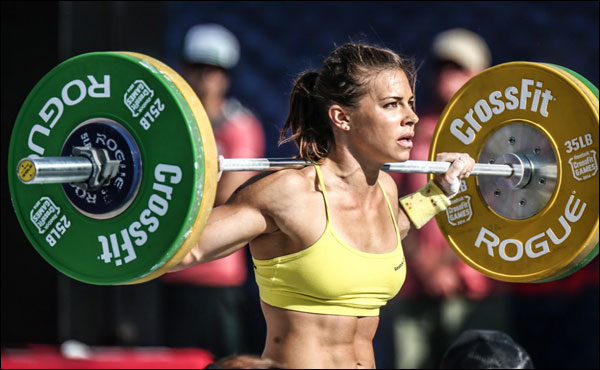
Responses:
[276,187]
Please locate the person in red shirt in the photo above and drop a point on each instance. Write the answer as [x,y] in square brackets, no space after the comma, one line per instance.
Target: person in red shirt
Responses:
[205,306]
[442,295]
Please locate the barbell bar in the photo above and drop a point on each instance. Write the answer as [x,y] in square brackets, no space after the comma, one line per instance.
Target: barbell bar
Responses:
[77,169]
[537,120]
[410,166]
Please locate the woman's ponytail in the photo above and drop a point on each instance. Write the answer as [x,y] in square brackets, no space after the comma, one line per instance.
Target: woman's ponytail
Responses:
[307,120]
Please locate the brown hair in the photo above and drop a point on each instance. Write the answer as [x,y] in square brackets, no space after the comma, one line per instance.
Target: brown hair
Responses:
[342,80]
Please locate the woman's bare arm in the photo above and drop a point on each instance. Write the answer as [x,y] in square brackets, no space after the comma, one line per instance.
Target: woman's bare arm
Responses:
[230,227]
[404,223]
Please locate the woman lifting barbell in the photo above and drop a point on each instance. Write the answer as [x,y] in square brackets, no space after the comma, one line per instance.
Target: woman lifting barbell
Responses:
[325,239]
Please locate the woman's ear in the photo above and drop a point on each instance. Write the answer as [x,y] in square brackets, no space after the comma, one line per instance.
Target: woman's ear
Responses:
[339,117]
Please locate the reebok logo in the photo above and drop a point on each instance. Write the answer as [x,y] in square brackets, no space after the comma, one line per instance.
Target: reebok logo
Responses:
[399,266]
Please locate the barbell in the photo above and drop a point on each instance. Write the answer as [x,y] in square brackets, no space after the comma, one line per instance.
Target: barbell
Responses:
[113,169]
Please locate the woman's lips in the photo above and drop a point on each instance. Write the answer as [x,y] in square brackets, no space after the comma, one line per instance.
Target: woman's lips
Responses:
[405,141]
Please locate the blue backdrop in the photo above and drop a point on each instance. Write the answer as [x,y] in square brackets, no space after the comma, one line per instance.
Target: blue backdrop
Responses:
[281,39]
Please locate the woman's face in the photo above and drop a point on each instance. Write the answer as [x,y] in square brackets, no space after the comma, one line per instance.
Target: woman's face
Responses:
[384,120]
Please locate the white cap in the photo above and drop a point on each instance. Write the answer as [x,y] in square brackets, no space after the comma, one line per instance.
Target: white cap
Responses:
[211,44]
[463,47]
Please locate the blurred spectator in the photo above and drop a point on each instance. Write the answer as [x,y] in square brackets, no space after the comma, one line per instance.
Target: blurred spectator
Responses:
[486,349]
[442,295]
[205,306]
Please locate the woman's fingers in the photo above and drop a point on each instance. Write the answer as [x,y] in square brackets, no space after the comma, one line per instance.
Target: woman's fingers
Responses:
[461,166]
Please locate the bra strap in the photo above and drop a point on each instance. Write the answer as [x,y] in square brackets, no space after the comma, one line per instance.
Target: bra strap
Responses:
[387,200]
[322,184]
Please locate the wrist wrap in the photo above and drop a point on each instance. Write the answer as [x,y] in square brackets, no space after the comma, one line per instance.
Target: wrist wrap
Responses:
[420,207]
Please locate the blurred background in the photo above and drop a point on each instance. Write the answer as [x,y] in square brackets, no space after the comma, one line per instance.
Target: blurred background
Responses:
[278,40]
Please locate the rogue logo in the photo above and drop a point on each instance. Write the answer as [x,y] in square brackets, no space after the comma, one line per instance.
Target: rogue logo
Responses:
[55,107]
[541,245]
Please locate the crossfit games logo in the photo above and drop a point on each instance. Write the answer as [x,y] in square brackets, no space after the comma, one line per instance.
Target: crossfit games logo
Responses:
[584,165]
[137,97]
[459,211]
[43,214]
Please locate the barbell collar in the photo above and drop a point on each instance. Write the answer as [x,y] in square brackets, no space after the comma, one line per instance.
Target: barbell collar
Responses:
[104,169]
[523,169]
[88,168]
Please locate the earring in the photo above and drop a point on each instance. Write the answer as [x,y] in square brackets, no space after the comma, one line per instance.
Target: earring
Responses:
[347,127]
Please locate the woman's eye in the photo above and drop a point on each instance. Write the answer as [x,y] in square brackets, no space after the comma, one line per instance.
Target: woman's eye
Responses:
[391,105]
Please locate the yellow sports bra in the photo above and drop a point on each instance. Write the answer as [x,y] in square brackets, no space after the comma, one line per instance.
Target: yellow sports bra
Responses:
[330,277]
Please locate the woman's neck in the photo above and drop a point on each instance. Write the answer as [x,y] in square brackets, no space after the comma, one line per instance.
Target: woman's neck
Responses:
[352,171]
